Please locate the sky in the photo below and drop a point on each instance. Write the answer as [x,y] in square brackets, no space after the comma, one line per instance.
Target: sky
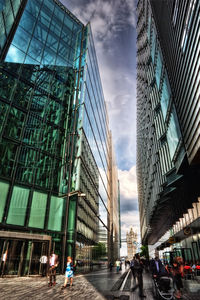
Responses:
[114,30]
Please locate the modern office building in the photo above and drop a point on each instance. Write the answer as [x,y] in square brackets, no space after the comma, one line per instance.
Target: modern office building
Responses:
[114,224]
[168,140]
[54,137]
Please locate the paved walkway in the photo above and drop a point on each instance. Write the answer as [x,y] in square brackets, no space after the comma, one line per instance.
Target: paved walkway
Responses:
[99,285]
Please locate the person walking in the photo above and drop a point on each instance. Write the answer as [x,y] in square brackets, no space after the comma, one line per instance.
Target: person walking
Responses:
[3,263]
[43,261]
[132,267]
[53,263]
[110,266]
[157,269]
[138,270]
[177,278]
[69,272]
[118,265]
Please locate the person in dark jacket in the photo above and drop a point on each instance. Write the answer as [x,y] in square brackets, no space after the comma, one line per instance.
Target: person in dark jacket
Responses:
[138,270]
[156,267]
[132,267]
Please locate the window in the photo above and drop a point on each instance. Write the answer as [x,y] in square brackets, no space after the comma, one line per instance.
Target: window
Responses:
[3,195]
[14,123]
[55,214]
[175,11]
[153,45]
[38,210]
[187,24]
[18,205]
[149,25]
[166,94]
[173,133]
[7,153]
[158,68]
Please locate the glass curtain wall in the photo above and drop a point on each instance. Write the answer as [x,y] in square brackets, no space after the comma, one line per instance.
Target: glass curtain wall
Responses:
[36,116]
[91,163]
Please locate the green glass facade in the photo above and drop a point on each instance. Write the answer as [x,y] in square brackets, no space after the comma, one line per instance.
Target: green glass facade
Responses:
[53,133]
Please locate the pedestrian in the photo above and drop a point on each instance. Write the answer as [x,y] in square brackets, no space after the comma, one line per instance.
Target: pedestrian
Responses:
[3,263]
[43,261]
[110,266]
[53,263]
[177,274]
[138,270]
[157,268]
[118,265]
[125,264]
[69,272]
[132,267]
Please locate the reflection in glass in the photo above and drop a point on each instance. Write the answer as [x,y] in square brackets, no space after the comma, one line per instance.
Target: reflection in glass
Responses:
[173,133]
[18,205]
[3,195]
[38,210]
[166,94]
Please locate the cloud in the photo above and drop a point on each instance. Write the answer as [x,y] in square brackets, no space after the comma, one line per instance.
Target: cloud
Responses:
[108,17]
[128,186]
[113,26]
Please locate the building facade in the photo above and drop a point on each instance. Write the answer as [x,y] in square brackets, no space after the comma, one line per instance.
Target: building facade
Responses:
[131,241]
[54,137]
[168,98]
[114,224]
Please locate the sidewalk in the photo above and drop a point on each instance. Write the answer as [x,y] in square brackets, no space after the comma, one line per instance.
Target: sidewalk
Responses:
[98,285]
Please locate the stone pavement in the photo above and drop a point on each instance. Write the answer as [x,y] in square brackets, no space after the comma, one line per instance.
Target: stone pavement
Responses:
[99,285]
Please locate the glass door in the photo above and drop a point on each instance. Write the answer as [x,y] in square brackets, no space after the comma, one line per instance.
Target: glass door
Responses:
[13,257]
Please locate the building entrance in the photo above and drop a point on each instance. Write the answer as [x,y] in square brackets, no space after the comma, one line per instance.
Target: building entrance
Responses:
[21,256]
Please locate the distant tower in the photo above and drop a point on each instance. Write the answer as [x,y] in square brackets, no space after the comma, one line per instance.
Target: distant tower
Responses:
[131,240]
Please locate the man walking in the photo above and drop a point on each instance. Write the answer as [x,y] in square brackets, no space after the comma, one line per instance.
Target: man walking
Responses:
[138,270]
[53,263]
[43,261]
[132,267]
[156,267]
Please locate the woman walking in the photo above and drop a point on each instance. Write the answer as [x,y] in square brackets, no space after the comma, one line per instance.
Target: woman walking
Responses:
[69,272]
[177,276]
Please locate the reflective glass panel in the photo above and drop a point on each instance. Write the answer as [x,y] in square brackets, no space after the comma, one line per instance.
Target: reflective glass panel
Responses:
[18,205]
[3,195]
[14,123]
[21,39]
[166,94]
[38,210]
[173,133]
[153,45]
[158,68]
[55,214]
[15,55]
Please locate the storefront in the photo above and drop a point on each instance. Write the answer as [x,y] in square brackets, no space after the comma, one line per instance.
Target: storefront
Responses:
[21,252]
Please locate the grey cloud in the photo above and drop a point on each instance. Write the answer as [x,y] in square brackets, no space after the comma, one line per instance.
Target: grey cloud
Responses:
[113,27]
[128,206]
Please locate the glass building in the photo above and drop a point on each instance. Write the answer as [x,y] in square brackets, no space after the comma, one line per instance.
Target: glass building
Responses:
[54,145]
[167,117]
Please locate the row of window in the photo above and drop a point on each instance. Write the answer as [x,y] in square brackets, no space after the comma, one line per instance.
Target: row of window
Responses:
[173,130]
[19,206]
